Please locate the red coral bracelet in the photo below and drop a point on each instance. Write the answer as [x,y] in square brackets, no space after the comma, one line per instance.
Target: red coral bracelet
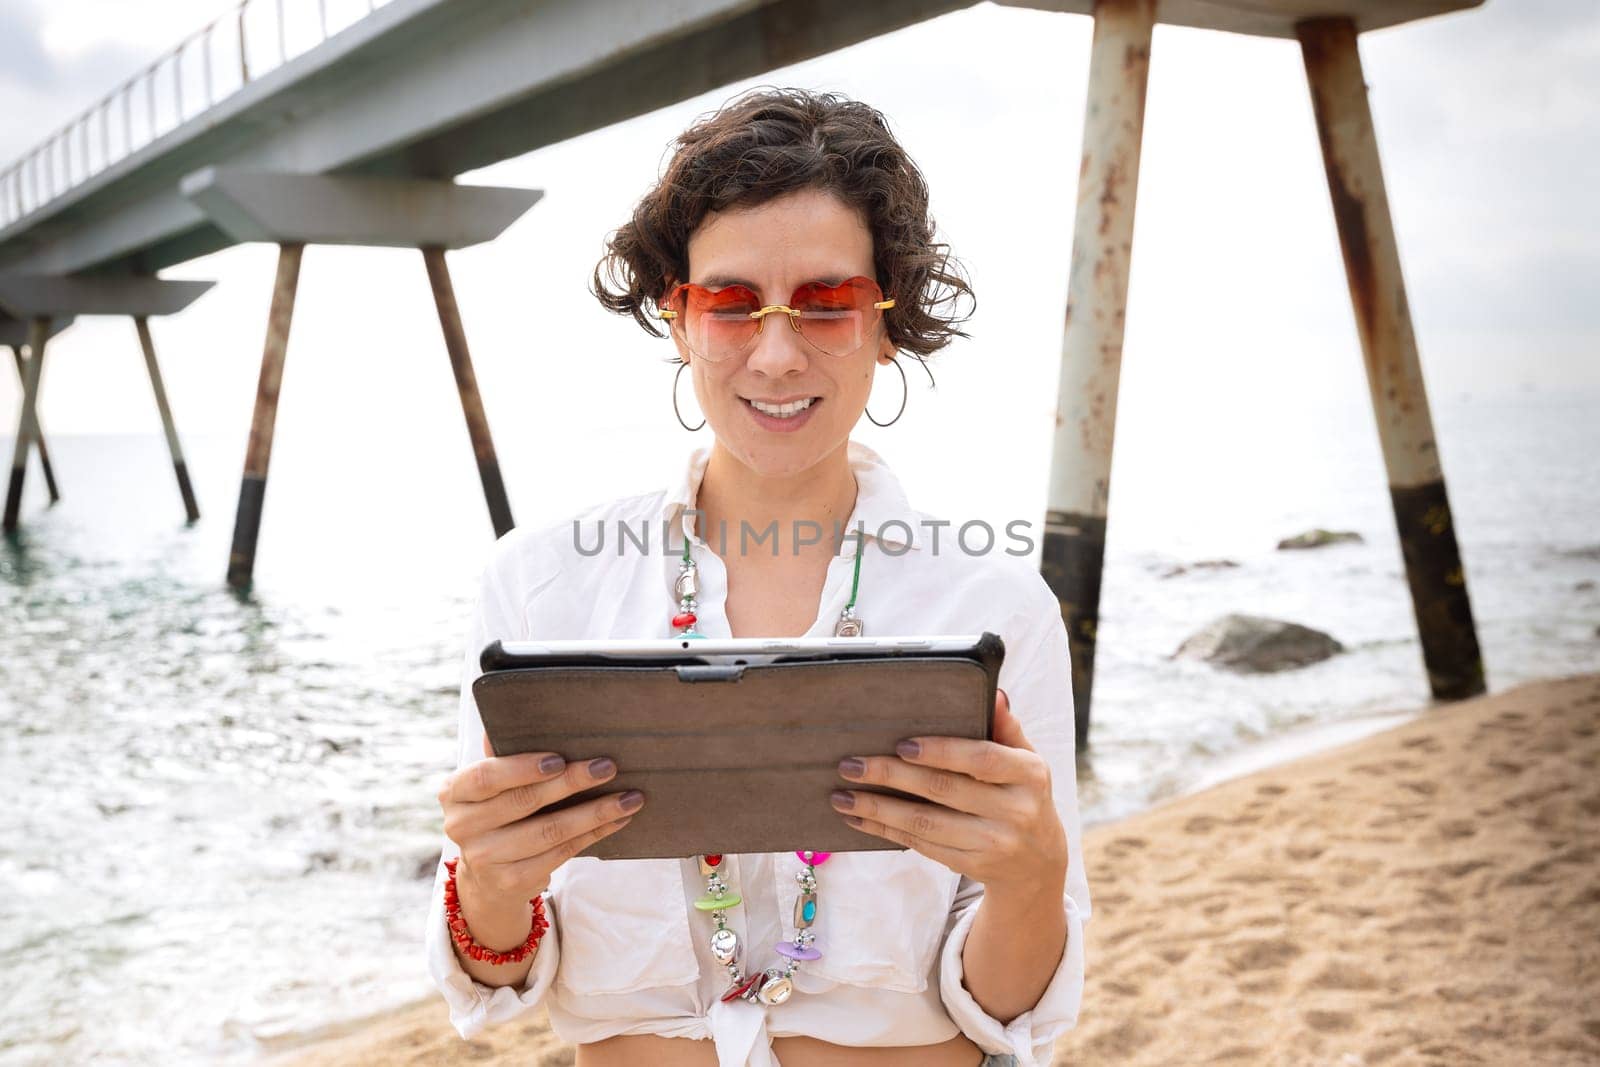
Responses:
[463,937]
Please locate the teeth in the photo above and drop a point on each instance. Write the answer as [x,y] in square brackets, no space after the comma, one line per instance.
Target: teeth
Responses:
[782,411]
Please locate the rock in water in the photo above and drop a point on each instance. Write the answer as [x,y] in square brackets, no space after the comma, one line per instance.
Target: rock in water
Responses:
[1252,644]
[1319,537]
[1198,565]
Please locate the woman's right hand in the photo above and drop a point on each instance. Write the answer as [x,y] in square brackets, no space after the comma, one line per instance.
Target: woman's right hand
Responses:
[492,811]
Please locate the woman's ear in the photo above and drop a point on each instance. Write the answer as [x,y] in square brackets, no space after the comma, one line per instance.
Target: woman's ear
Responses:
[677,341]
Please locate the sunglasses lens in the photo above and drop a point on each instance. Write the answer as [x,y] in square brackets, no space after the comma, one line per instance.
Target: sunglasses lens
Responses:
[838,319]
[716,325]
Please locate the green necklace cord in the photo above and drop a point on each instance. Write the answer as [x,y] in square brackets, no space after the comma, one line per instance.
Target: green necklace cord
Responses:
[855,577]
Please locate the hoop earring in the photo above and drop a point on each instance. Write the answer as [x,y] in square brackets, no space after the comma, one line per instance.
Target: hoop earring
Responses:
[675,410]
[904,392]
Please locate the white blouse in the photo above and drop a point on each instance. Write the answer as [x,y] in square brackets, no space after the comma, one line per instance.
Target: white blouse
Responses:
[627,952]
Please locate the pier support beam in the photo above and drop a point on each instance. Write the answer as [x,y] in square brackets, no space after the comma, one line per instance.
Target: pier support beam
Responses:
[258,453]
[27,423]
[455,342]
[1389,346]
[191,508]
[295,210]
[50,302]
[38,428]
[1073,551]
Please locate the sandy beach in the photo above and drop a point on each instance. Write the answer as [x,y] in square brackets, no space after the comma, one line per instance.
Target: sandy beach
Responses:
[1426,895]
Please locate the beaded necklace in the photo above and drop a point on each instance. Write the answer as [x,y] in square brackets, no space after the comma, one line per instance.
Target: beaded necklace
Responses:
[773,985]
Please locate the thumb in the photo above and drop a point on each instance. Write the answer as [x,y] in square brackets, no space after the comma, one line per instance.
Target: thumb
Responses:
[1007,730]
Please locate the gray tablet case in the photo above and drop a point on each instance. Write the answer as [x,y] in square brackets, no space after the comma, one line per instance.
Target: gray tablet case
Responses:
[734,757]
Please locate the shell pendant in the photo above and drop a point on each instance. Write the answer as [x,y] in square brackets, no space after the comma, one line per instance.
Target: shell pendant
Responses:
[848,625]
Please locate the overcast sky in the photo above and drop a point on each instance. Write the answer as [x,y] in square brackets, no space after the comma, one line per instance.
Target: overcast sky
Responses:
[1486,121]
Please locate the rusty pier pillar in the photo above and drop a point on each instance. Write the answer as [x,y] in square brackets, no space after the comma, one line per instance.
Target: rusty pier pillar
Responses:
[191,507]
[1074,545]
[38,429]
[28,423]
[1389,347]
[253,488]
[455,342]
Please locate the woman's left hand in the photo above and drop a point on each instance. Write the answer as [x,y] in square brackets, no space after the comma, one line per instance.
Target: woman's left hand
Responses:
[992,816]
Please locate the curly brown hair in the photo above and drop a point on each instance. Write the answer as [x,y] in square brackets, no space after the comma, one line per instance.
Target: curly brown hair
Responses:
[772,141]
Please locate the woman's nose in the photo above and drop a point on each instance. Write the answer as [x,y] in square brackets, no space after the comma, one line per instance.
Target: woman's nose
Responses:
[778,348]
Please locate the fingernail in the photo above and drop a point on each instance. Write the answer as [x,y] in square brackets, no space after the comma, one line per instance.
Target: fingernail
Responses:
[604,767]
[841,799]
[853,821]
[909,749]
[551,764]
[632,800]
[851,767]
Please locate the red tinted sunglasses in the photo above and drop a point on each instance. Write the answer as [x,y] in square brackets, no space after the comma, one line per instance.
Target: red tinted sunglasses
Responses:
[722,324]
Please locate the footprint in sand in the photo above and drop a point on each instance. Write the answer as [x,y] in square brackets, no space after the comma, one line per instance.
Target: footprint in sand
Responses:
[1421,787]
[1271,790]
[1427,924]
[1426,743]
[1533,796]
[1343,975]
[1330,1022]
[1455,829]
[1122,846]
[1201,824]
[1120,1042]
[1260,954]
[1508,721]
[1462,869]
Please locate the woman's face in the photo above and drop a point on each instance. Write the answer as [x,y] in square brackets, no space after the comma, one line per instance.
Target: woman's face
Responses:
[775,248]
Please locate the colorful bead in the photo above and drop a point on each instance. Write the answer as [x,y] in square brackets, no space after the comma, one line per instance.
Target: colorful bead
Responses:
[805,910]
[742,986]
[798,952]
[709,865]
[687,585]
[683,618]
[776,990]
[724,946]
[814,859]
[727,900]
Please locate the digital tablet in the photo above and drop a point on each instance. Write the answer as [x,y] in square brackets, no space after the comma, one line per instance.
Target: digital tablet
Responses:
[734,742]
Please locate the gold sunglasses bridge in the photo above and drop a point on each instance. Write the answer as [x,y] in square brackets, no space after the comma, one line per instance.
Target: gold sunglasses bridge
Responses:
[761,316]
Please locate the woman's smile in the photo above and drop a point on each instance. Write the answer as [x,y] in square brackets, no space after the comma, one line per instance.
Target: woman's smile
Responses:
[785,416]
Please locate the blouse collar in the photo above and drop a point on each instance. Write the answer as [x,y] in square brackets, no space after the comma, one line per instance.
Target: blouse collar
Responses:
[881,505]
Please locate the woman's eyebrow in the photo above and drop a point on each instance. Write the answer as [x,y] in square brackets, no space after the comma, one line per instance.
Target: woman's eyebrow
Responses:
[718,281]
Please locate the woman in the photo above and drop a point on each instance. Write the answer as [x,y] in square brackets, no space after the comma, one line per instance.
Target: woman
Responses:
[789,250]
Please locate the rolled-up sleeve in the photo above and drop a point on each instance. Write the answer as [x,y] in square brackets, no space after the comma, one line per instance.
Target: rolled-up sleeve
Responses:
[1037,678]
[504,585]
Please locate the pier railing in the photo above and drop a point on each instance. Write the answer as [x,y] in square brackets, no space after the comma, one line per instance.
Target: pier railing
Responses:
[249,40]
